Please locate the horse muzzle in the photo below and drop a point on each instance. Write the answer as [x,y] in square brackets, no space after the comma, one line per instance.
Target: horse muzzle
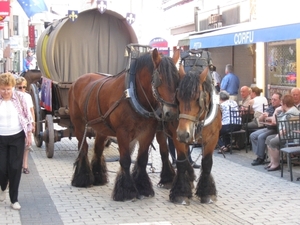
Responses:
[169,113]
[185,135]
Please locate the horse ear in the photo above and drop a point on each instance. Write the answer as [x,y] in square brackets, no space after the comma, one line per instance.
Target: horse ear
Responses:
[176,54]
[181,71]
[156,57]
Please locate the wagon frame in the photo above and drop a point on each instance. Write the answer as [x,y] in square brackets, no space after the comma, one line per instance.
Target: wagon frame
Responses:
[55,50]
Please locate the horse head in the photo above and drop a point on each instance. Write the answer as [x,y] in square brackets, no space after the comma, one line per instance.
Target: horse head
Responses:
[165,80]
[197,104]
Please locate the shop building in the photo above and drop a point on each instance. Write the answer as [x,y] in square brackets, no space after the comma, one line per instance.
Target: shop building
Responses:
[264,55]
[259,38]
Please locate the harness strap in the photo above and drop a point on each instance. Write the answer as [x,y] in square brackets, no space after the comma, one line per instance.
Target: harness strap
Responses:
[188,117]
[87,99]
[110,110]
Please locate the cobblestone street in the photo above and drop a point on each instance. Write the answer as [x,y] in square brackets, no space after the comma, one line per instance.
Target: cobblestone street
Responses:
[246,194]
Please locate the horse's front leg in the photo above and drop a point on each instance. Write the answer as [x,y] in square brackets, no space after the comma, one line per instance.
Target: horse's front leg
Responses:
[181,190]
[167,172]
[206,187]
[83,176]
[139,173]
[98,162]
[124,188]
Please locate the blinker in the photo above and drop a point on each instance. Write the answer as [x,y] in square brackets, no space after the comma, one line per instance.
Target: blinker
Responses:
[156,79]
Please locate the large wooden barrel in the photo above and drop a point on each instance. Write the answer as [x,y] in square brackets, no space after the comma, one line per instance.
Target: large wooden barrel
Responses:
[94,42]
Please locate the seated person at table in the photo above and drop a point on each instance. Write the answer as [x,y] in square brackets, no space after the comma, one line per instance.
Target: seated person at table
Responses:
[246,96]
[225,104]
[272,141]
[258,137]
[256,104]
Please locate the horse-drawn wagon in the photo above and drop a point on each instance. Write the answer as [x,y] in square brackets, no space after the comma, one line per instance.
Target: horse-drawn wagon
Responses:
[66,50]
[76,98]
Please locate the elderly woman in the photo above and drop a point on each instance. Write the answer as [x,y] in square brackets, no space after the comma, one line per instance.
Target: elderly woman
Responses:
[15,133]
[288,109]
[225,105]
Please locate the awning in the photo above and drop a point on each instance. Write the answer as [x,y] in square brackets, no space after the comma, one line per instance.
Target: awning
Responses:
[245,33]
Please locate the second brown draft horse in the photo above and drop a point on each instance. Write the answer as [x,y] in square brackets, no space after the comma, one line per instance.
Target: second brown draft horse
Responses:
[199,122]
[103,103]
[32,77]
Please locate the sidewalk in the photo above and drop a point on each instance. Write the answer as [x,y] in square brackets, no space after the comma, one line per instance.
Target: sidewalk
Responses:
[246,194]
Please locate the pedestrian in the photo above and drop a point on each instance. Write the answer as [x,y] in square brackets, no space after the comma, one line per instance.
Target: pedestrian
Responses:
[15,133]
[216,78]
[230,83]
[21,85]
[29,62]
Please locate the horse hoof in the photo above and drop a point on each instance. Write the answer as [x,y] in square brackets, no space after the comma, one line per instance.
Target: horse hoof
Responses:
[165,186]
[206,200]
[182,201]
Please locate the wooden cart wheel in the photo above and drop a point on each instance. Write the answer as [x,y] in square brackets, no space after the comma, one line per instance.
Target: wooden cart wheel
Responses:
[49,130]
[34,92]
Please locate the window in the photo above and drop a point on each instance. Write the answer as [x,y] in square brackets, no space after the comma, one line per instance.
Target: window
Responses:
[281,63]
[16,25]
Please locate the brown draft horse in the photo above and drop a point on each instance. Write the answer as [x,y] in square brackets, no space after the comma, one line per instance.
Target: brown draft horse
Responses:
[199,122]
[32,77]
[101,102]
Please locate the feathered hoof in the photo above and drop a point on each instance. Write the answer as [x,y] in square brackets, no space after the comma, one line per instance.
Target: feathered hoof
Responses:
[182,201]
[165,186]
[82,181]
[207,200]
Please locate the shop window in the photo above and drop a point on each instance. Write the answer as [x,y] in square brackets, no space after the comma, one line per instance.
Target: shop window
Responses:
[281,67]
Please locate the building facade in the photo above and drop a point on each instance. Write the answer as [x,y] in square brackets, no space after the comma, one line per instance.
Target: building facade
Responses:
[261,43]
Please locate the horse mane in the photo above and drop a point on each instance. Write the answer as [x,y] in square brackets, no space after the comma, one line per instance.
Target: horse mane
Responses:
[189,86]
[166,68]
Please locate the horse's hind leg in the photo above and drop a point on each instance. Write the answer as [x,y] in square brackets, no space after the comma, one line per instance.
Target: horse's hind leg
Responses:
[206,187]
[82,176]
[167,172]
[98,162]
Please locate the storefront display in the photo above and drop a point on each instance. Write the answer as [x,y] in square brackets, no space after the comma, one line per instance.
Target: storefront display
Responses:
[281,66]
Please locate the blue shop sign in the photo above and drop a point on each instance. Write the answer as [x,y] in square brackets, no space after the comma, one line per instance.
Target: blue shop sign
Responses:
[239,35]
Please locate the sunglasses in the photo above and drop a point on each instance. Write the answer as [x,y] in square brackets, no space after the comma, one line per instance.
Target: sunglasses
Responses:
[24,87]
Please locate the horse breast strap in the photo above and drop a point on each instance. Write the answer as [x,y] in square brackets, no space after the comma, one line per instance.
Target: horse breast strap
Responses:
[101,117]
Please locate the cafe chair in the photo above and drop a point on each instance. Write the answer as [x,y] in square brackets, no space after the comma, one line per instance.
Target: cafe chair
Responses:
[289,137]
[251,130]
[238,117]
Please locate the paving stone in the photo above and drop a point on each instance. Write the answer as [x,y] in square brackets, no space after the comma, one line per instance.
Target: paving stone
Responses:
[246,194]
